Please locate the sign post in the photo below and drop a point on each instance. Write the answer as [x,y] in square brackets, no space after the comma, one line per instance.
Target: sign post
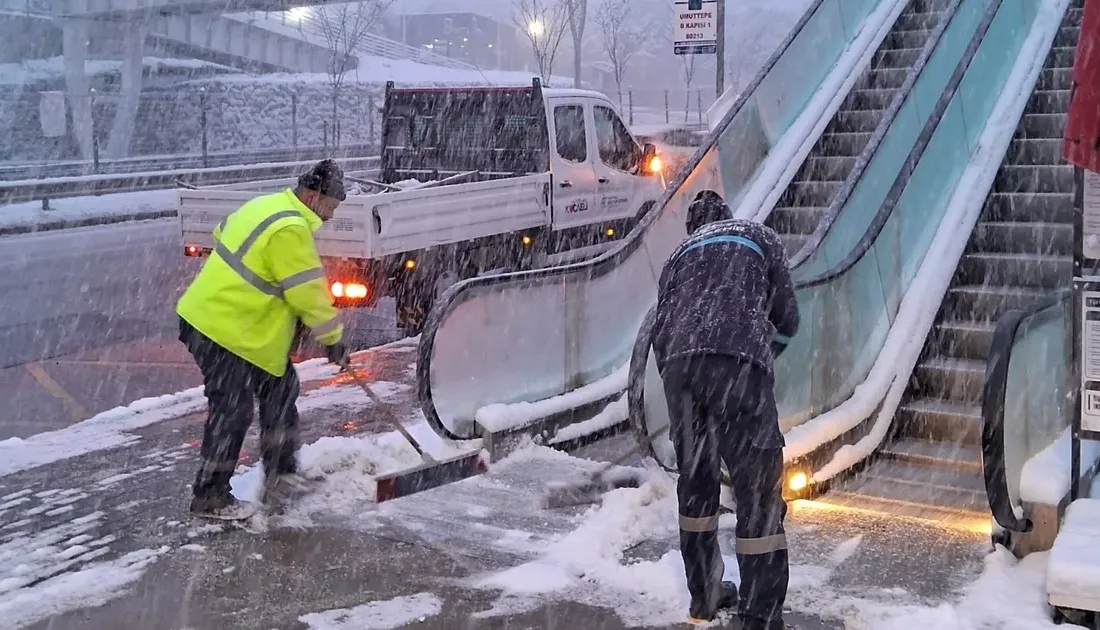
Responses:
[696,27]
[1086,317]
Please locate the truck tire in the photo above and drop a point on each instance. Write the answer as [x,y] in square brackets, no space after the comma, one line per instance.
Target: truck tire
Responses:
[413,310]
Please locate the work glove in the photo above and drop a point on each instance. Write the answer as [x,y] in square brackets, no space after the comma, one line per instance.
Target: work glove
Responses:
[338,353]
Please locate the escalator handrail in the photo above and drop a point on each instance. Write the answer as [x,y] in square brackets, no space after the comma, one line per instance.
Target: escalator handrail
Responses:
[994,390]
[863,161]
[912,160]
[602,264]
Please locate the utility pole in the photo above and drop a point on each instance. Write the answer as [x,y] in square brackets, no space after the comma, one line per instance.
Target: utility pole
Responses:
[720,79]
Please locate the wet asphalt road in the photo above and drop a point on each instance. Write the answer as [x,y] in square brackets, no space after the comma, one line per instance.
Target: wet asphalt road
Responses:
[87,322]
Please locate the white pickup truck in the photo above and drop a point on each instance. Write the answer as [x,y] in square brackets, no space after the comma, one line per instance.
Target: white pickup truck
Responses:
[471,180]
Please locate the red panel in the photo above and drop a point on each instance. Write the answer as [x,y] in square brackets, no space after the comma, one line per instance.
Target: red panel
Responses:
[1082,136]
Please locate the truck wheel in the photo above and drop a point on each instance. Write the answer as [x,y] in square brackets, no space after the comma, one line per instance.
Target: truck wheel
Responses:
[413,316]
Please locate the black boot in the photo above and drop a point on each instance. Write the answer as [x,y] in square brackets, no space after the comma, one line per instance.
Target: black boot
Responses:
[727,600]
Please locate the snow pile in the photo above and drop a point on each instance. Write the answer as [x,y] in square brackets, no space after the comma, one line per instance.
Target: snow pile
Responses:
[92,586]
[889,376]
[133,204]
[501,417]
[1045,477]
[381,615]
[611,415]
[1075,557]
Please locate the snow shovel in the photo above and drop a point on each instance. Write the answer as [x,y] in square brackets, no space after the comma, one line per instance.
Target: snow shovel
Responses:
[563,494]
[432,472]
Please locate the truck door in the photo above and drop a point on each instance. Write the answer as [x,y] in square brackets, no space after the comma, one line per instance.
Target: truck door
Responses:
[574,176]
[618,181]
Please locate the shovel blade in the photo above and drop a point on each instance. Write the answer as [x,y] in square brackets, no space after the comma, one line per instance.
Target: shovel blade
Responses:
[428,475]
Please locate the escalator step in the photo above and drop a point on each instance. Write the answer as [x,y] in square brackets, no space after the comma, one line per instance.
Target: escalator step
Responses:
[1060,57]
[905,39]
[919,493]
[826,168]
[846,144]
[1055,79]
[1016,269]
[944,455]
[796,219]
[865,120]
[1038,237]
[941,420]
[792,243]
[1048,102]
[987,303]
[896,58]
[879,78]
[960,380]
[1067,36]
[1042,125]
[816,194]
[962,339]
[869,99]
[1029,206]
[927,6]
[1035,151]
[918,21]
[1040,179]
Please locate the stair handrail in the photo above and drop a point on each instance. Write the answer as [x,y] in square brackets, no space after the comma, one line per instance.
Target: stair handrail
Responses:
[994,390]
[893,196]
[864,159]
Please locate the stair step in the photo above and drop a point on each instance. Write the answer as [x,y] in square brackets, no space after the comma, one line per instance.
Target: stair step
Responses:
[1029,206]
[796,219]
[914,491]
[941,420]
[817,194]
[946,455]
[1060,57]
[1055,79]
[1021,270]
[1052,239]
[1073,17]
[897,39]
[918,21]
[1041,179]
[855,120]
[963,339]
[869,99]
[948,517]
[825,168]
[960,380]
[918,7]
[896,57]
[987,303]
[1035,151]
[793,243]
[883,78]
[1049,102]
[1067,36]
[940,472]
[843,144]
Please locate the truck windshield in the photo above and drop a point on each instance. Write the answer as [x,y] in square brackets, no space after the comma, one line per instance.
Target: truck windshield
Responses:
[439,132]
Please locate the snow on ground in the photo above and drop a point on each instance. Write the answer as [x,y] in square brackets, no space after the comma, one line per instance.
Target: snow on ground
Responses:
[501,417]
[88,208]
[94,585]
[614,413]
[114,428]
[381,615]
[53,68]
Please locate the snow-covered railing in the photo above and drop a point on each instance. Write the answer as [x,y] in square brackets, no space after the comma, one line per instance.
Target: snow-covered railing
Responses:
[309,30]
[61,187]
[70,168]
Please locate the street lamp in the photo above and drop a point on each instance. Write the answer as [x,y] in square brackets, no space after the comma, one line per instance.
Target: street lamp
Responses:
[297,14]
[536,28]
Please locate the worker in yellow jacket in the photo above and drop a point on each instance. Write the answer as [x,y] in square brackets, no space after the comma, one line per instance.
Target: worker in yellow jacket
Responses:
[238,320]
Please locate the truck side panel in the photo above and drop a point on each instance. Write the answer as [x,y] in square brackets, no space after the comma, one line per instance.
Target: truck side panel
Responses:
[420,219]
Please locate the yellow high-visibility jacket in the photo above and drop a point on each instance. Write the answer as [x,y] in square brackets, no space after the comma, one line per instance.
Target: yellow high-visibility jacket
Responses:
[263,275]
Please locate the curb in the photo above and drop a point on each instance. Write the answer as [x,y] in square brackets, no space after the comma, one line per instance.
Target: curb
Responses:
[64,224]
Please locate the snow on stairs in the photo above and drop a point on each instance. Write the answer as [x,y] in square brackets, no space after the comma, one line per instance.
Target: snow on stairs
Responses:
[1020,251]
[817,182]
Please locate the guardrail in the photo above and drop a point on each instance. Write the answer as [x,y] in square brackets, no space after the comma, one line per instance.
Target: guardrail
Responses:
[78,186]
[73,168]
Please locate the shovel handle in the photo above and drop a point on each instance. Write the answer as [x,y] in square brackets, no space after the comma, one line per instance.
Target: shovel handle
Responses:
[387,411]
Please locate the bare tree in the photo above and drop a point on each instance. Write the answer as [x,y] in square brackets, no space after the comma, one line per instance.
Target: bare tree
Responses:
[620,37]
[577,13]
[544,22]
[688,65]
[344,27]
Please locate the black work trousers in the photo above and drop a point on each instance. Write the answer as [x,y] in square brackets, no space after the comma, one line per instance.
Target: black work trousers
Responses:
[231,385]
[723,409]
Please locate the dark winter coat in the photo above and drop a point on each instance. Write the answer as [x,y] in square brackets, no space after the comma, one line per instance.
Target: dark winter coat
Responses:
[726,290]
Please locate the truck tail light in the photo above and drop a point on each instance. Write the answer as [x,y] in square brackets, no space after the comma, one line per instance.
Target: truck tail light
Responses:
[349,291]
[192,251]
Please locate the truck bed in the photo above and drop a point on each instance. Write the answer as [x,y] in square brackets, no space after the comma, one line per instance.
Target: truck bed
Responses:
[376,225]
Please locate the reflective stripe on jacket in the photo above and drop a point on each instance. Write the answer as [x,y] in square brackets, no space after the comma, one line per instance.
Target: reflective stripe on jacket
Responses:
[263,275]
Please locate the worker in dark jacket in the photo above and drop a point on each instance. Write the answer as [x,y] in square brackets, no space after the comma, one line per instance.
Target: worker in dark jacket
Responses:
[725,303]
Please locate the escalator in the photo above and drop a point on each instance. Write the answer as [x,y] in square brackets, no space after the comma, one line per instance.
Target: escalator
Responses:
[1020,251]
[820,180]
[576,323]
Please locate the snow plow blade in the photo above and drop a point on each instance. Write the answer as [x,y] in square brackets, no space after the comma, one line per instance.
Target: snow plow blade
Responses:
[428,475]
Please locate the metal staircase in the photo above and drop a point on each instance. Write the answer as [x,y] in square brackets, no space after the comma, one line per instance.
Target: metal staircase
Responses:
[1020,251]
[817,182]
